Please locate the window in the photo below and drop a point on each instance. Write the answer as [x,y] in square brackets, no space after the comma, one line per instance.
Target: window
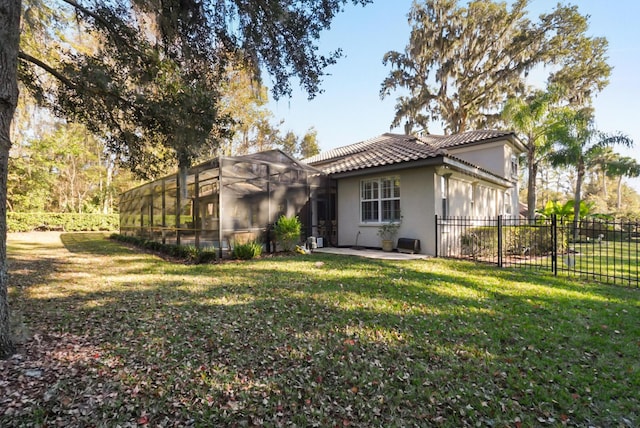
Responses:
[474,196]
[380,200]
[514,166]
[507,203]
[444,193]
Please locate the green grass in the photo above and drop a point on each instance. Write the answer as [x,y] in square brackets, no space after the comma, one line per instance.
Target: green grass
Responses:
[608,261]
[320,340]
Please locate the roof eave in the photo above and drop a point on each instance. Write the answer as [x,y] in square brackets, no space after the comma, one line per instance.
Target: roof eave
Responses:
[436,160]
[476,172]
[511,137]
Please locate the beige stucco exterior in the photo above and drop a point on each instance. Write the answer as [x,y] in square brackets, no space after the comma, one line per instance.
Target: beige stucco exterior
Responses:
[460,177]
[495,157]
[420,201]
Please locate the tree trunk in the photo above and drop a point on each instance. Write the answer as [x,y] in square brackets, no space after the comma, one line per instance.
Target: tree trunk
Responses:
[576,202]
[107,207]
[9,43]
[619,201]
[531,183]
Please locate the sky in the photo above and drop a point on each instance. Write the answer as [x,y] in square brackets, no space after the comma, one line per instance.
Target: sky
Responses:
[350,109]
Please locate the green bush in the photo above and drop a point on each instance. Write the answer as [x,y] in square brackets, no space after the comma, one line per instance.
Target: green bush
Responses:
[247,251]
[287,231]
[533,240]
[207,255]
[480,242]
[68,222]
[187,253]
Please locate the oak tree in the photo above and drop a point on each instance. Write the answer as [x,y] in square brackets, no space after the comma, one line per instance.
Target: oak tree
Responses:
[151,88]
[463,62]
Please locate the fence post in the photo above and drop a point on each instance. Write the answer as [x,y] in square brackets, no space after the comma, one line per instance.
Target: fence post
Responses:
[436,236]
[554,245]
[500,241]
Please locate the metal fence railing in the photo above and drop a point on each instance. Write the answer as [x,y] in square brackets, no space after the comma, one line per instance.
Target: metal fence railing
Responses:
[606,251]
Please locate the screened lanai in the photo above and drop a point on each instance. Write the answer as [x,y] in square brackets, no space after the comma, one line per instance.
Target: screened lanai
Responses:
[231,200]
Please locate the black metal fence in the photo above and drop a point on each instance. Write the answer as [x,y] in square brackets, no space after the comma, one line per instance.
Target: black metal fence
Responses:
[606,251]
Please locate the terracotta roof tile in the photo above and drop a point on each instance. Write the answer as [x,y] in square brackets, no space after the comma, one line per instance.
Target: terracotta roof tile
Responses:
[388,149]
[470,137]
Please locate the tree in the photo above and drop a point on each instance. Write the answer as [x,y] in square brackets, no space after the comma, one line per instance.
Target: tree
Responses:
[462,63]
[151,88]
[289,143]
[530,118]
[9,40]
[603,157]
[245,101]
[309,144]
[576,143]
[300,148]
[620,167]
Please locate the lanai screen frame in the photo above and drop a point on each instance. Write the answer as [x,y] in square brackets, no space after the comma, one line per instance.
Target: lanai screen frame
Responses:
[226,200]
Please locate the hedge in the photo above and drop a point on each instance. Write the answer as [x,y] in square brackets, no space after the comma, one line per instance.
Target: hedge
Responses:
[534,240]
[68,222]
[187,253]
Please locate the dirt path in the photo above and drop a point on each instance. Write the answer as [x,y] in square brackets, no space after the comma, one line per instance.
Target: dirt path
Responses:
[35,237]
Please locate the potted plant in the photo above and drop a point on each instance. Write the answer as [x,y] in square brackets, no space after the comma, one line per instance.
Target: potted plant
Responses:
[387,232]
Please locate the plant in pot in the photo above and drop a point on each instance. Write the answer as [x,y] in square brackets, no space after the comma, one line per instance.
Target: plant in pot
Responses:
[387,232]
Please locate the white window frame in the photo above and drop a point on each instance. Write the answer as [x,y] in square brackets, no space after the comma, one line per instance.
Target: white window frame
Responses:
[444,195]
[376,197]
[514,166]
[474,196]
[508,206]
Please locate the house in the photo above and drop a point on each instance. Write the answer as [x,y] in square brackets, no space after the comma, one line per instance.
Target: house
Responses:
[410,179]
[341,196]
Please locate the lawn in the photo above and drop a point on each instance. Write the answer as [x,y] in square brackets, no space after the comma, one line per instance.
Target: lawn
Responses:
[117,337]
[606,261]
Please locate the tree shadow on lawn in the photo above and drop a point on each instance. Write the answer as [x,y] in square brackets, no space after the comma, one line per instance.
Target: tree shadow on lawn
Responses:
[261,354]
[314,357]
[377,344]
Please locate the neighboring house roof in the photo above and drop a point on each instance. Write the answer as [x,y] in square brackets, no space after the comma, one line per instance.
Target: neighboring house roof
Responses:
[389,149]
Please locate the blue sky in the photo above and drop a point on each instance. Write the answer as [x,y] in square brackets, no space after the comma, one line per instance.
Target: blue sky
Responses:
[350,109]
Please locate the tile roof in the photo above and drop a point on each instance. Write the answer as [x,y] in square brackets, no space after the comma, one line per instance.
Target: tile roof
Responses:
[389,149]
[465,138]
[386,149]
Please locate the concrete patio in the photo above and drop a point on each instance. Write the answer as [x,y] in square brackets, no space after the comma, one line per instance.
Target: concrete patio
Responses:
[370,254]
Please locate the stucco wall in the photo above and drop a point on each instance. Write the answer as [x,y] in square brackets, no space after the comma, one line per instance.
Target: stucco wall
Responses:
[494,157]
[420,201]
[417,205]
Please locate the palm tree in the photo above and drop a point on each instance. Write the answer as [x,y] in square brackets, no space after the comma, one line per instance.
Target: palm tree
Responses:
[531,120]
[575,143]
[603,157]
[620,167]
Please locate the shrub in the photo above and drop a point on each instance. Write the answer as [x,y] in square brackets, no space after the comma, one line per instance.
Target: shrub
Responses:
[533,240]
[207,255]
[185,252]
[69,222]
[480,242]
[287,231]
[247,251]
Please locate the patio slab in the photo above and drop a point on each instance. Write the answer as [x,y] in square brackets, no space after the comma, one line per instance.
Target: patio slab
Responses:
[371,254]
